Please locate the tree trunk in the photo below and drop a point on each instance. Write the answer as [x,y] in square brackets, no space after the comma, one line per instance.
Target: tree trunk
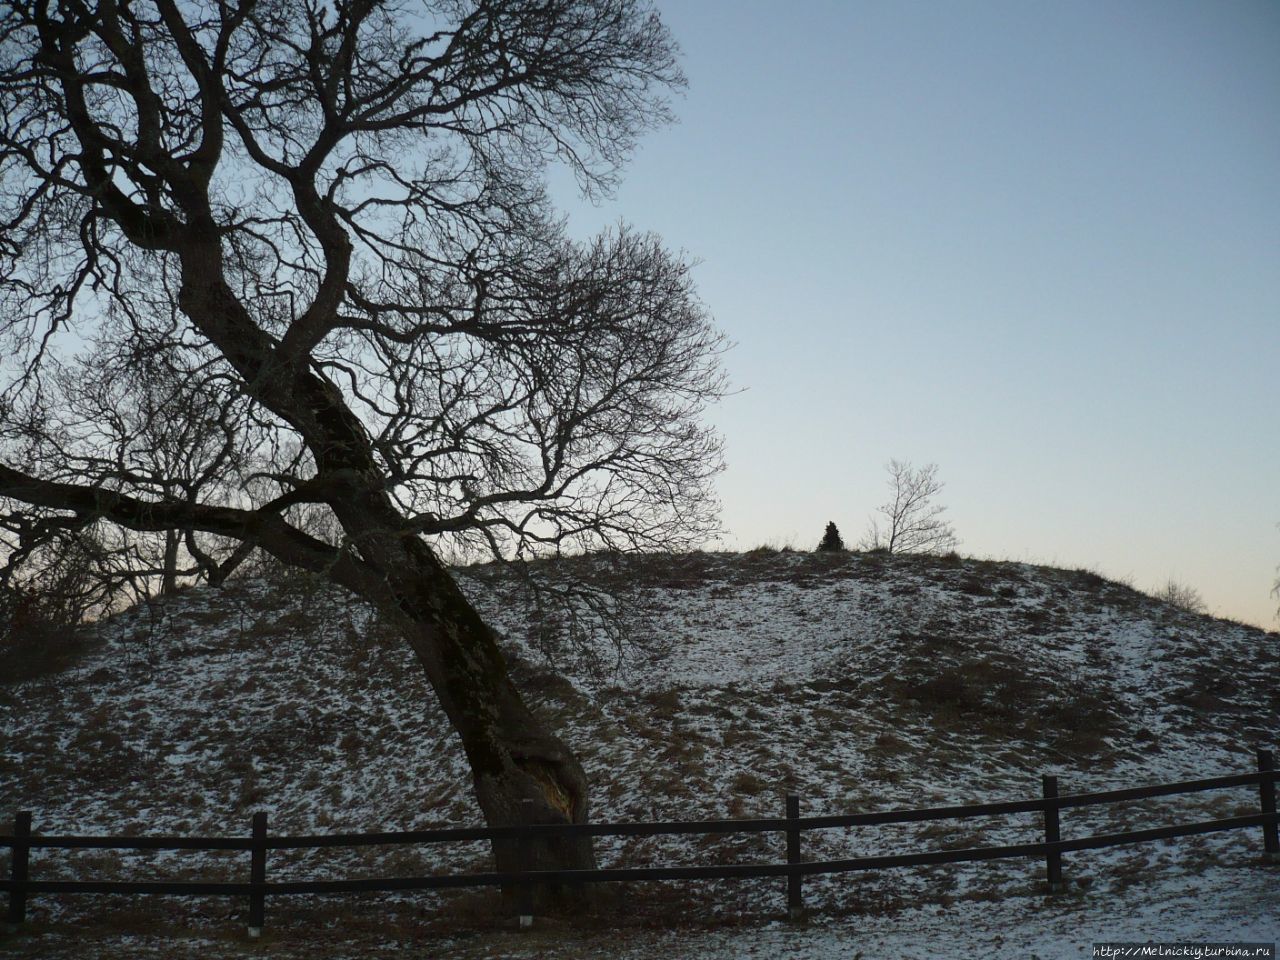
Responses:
[169,579]
[513,756]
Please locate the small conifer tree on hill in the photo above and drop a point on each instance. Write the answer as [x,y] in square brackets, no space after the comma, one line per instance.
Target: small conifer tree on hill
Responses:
[831,541]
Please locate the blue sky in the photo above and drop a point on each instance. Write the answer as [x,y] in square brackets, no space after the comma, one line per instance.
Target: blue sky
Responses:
[1037,243]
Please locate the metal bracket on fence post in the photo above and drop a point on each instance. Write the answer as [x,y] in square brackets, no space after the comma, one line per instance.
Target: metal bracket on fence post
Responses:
[258,875]
[525,895]
[795,893]
[1267,793]
[19,869]
[1052,834]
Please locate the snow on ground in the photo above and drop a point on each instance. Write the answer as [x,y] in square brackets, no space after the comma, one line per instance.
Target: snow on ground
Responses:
[861,682]
[1214,908]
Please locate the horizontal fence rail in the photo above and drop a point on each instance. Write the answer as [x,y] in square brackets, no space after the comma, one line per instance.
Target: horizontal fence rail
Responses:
[1050,804]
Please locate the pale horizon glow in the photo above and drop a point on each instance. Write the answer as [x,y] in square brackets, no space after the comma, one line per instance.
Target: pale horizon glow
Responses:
[1035,243]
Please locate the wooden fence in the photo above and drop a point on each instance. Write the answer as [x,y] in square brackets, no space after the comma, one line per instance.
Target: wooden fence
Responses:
[1050,804]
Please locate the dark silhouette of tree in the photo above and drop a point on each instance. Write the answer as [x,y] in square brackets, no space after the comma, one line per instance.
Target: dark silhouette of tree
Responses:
[910,522]
[309,246]
[831,541]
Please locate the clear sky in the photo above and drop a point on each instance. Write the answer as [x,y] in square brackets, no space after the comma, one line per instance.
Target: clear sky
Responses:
[1035,242]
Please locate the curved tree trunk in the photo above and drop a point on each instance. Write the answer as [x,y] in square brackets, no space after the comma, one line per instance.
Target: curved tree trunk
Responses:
[513,756]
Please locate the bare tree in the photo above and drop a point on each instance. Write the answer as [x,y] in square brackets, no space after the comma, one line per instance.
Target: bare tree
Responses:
[173,431]
[57,574]
[1181,595]
[911,522]
[321,230]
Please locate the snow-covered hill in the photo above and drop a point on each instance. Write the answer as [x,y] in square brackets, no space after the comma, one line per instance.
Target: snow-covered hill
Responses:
[858,681]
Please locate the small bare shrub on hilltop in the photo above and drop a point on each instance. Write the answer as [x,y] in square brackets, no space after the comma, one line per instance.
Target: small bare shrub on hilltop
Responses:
[1182,596]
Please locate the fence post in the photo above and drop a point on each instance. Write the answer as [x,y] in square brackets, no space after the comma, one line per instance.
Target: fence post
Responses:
[258,875]
[19,869]
[524,895]
[1052,833]
[795,895]
[1267,792]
